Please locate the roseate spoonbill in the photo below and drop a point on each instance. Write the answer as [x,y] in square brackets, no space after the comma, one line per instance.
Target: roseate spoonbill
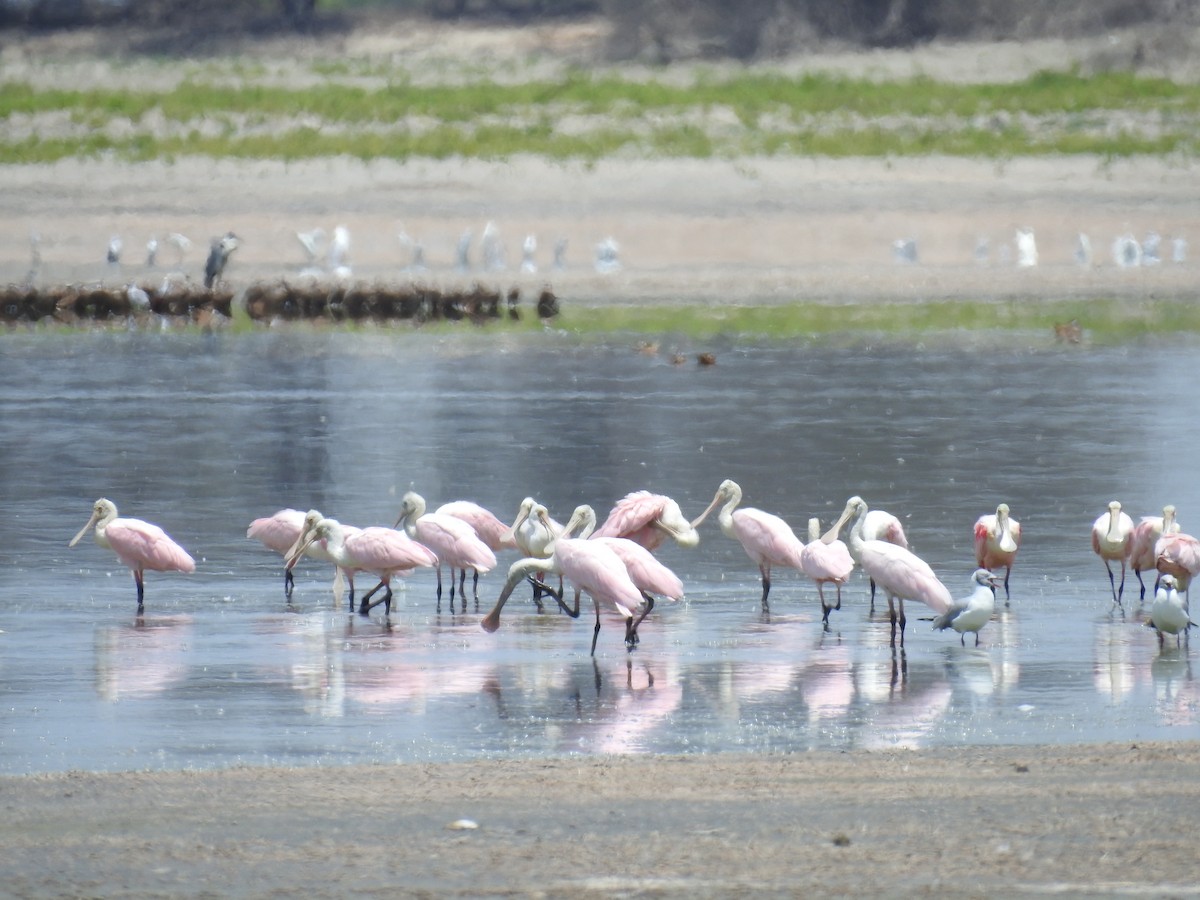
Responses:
[383,551]
[649,575]
[1179,555]
[138,544]
[1169,613]
[453,540]
[490,530]
[826,560]
[279,532]
[767,539]
[649,519]
[590,565]
[534,539]
[1145,537]
[869,525]
[1112,540]
[973,612]
[903,576]
[997,538]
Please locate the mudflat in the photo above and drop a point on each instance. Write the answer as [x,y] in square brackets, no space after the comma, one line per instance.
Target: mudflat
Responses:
[1114,819]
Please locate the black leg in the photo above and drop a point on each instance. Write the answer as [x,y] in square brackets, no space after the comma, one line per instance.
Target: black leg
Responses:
[288,583]
[137,579]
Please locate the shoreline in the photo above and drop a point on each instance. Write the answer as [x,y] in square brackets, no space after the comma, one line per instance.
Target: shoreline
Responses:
[1072,820]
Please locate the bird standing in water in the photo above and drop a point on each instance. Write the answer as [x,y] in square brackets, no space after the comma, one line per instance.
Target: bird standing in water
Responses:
[138,544]
[973,612]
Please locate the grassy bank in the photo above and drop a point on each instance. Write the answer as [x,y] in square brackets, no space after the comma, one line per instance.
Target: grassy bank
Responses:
[588,116]
[1103,321]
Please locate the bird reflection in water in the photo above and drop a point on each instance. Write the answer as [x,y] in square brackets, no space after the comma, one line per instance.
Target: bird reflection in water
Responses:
[142,660]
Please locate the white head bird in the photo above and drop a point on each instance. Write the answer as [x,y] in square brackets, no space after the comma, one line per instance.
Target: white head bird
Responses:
[1027,255]
[974,611]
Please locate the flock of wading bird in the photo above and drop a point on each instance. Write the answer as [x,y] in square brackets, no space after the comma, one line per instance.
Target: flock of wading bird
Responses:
[614,564]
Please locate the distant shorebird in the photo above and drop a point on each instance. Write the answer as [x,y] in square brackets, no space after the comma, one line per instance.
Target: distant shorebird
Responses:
[904,250]
[1127,252]
[1179,249]
[416,252]
[1150,249]
[151,253]
[339,249]
[1083,250]
[1027,255]
[606,256]
[462,252]
[113,254]
[312,242]
[181,244]
[218,258]
[528,248]
[138,299]
[492,248]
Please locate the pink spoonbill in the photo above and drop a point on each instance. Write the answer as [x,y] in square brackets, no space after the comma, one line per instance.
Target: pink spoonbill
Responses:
[869,525]
[1145,537]
[997,538]
[1178,554]
[903,576]
[590,565]
[826,560]
[1112,540]
[139,545]
[383,551]
[490,530]
[767,539]
[649,519]
[279,532]
[453,540]
[534,539]
[649,575]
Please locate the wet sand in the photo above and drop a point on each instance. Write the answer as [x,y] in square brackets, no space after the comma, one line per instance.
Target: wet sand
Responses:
[1115,819]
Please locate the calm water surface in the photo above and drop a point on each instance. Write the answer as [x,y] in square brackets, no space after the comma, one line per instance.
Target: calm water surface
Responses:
[201,434]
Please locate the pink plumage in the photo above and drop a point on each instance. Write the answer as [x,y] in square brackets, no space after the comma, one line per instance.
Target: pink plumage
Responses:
[1142,544]
[1179,555]
[139,545]
[452,539]
[278,532]
[903,576]
[490,529]
[648,519]
[767,539]
[595,568]
[644,569]
[826,563]
[382,551]
[997,539]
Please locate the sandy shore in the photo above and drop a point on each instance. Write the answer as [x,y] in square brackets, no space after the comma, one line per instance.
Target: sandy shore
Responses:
[753,230]
[1117,819]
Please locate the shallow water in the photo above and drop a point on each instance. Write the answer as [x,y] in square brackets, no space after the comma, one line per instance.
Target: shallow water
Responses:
[202,433]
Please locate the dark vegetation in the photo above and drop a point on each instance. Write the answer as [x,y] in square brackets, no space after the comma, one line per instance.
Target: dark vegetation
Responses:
[651,30]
